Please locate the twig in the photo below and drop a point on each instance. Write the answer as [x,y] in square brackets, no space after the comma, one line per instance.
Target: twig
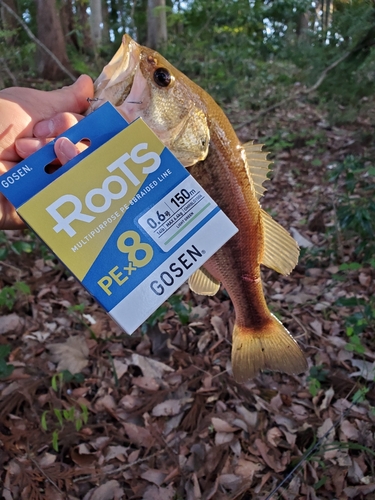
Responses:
[8,72]
[119,469]
[46,475]
[37,41]
[299,94]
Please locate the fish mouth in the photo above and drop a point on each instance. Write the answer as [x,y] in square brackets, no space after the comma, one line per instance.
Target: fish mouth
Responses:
[115,82]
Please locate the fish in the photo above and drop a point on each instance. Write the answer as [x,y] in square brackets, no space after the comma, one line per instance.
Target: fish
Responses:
[141,83]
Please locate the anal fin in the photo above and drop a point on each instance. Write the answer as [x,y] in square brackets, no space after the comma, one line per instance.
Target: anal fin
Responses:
[281,251]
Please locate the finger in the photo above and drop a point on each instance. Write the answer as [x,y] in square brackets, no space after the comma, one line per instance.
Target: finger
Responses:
[65,150]
[27,146]
[56,125]
[9,219]
[73,99]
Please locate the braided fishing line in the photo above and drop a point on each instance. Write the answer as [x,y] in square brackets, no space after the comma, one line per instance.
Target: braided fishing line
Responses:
[309,452]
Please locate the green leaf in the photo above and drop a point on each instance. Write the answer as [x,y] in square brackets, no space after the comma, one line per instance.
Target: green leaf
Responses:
[43,420]
[3,253]
[5,369]
[55,440]
[59,416]
[78,424]
[316,162]
[4,350]
[85,413]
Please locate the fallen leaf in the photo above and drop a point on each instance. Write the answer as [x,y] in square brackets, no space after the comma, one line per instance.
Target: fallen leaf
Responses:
[150,367]
[273,436]
[356,491]
[108,491]
[154,476]
[11,323]
[118,452]
[156,493]
[366,369]
[222,426]
[71,355]
[167,408]
[138,435]
[301,240]
[223,437]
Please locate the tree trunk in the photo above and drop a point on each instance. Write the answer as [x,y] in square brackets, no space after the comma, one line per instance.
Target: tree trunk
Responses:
[83,26]
[156,24]
[302,26]
[50,33]
[105,30]
[8,21]
[96,21]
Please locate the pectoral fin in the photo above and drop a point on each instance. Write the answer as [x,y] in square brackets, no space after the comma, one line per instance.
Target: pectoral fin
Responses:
[202,283]
[280,249]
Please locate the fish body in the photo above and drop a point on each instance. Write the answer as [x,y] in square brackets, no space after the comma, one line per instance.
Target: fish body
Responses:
[141,83]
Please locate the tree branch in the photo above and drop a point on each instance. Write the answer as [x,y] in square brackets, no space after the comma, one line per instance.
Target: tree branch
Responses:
[37,41]
[297,95]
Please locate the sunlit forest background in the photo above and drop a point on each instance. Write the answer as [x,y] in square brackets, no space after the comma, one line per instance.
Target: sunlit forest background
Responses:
[253,51]
[88,412]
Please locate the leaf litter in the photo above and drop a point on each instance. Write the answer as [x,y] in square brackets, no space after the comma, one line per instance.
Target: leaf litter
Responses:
[158,415]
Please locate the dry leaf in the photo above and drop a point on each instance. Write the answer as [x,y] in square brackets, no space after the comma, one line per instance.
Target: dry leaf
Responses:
[349,430]
[222,426]
[108,491]
[219,326]
[156,493]
[301,240]
[366,369]
[167,408]
[71,355]
[138,435]
[11,323]
[154,476]
[118,452]
[273,436]
[223,437]
[150,367]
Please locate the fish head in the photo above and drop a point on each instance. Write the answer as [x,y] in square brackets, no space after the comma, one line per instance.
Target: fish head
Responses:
[141,83]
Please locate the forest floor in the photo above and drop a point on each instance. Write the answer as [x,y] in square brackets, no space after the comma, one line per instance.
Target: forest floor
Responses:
[158,415]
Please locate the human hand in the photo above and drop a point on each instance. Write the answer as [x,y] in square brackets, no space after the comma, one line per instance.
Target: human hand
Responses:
[24,112]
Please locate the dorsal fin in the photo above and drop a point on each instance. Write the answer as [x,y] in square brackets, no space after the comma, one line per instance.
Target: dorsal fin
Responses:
[202,283]
[280,249]
[257,166]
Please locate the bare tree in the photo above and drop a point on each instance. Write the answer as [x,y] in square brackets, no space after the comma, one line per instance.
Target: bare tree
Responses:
[156,24]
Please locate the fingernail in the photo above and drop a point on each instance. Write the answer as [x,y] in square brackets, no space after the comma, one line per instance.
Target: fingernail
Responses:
[44,128]
[67,150]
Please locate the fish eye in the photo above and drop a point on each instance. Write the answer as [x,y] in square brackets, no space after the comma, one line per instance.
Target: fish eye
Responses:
[162,77]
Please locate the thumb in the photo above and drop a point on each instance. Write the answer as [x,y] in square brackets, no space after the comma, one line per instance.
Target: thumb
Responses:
[71,99]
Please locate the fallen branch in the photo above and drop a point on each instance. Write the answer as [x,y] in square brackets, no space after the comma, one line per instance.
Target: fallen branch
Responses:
[298,94]
[36,40]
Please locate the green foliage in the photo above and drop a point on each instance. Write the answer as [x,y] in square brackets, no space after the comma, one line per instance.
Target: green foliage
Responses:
[6,369]
[10,294]
[155,317]
[361,320]
[355,205]
[76,414]
[18,247]
[316,377]
[182,309]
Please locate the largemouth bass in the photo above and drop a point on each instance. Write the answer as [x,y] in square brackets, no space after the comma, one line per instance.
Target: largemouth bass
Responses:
[141,83]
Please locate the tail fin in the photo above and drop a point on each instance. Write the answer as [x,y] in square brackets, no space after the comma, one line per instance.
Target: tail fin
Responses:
[272,347]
